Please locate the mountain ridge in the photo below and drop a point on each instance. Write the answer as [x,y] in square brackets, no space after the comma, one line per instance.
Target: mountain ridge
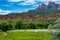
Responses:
[51,7]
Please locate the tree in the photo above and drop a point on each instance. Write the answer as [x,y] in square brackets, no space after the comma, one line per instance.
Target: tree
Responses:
[31,25]
[0,26]
[42,25]
[45,25]
[18,24]
[5,26]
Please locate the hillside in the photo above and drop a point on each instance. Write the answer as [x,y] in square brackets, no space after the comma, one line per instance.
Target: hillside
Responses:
[29,17]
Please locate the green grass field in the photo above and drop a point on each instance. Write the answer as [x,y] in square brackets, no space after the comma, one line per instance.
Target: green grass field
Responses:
[25,36]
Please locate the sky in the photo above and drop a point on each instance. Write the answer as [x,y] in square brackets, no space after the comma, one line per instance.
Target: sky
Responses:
[10,6]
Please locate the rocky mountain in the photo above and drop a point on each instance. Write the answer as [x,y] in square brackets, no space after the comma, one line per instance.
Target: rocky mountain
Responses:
[51,7]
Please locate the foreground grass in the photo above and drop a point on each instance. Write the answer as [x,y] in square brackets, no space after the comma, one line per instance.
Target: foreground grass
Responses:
[26,36]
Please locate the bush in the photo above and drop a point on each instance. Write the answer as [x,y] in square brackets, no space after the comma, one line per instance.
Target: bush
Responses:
[18,24]
[31,25]
[42,25]
[5,26]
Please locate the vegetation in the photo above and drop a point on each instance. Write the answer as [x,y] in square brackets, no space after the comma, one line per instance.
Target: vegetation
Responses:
[27,17]
[29,21]
[7,25]
[4,26]
[26,36]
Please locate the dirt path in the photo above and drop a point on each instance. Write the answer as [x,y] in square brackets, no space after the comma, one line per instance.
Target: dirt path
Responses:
[34,30]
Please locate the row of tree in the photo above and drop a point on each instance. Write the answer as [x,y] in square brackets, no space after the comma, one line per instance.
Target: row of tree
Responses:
[7,25]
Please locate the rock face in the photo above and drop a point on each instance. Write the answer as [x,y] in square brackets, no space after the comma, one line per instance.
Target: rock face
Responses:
[51,7]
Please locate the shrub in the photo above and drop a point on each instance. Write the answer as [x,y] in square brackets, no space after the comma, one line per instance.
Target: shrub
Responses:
[18,24]
[5,26]
[42,25]
[31,25]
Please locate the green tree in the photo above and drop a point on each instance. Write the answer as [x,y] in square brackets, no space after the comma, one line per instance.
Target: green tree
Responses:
[18,24]
[31,25]
[45,25]
[0,26]
[5,26]
[42,25]
[39,25]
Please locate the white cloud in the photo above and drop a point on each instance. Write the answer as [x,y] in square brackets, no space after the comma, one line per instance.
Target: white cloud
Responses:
[4,12]
[31,2]
[15,0]
[58,2]
[43,0]
[36,5]
[6,5]
[28,2]
[47,0]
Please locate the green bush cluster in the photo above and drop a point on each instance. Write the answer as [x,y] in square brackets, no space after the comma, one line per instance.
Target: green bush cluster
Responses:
[4,26]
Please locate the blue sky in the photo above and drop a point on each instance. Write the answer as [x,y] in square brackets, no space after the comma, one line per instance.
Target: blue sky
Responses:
[8,6]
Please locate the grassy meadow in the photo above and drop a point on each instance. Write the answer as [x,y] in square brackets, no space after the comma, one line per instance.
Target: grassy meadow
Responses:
[25,36]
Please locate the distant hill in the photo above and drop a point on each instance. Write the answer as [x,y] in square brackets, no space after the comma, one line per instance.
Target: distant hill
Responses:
[27,17]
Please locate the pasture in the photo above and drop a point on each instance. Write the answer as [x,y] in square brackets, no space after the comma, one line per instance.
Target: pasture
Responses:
[25,36]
